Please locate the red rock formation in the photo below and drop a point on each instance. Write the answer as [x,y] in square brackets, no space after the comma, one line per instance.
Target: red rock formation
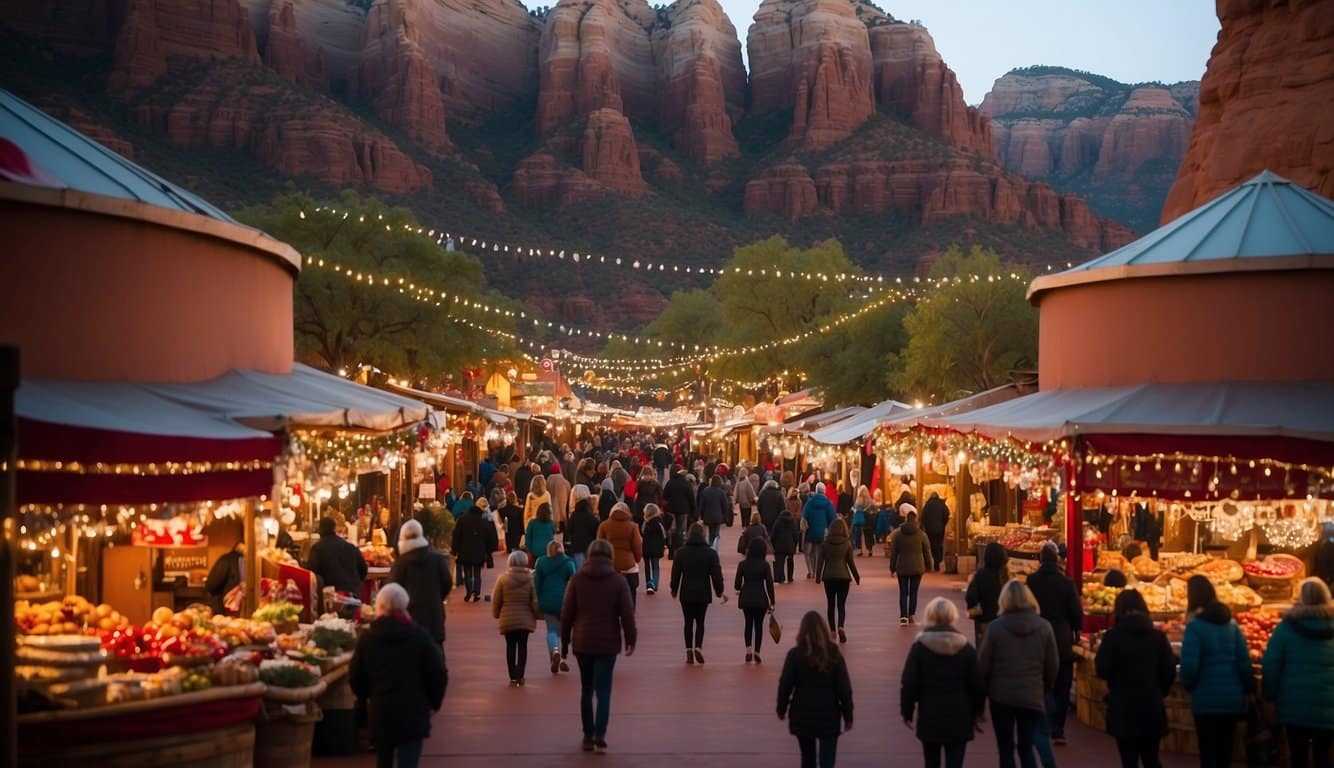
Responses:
[297,139]
[787,190]
[139,58]
[1150,125]
[397,74]
[80,121]
[609,153]
[541,180]
[332,32]
[1266,101]
[911,80]
[937,189]
[593,51]
[702,85]
[286,53]
[814,57]
[485,195]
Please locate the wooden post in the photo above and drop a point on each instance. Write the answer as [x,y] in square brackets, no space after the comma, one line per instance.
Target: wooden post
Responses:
[70,561]
[1074,526]
[251,559]
[918,479]
[9,455]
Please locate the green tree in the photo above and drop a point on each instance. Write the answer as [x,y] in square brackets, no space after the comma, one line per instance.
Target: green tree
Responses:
[850,364]
[967,334]
[341,323]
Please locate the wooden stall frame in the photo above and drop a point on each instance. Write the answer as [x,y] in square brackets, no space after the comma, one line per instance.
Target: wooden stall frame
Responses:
[9,381]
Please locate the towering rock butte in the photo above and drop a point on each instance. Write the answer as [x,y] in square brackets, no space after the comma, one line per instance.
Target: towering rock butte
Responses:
[397,76]
[1266,101]
[912,81]
[701,82]
[330,34]
[482,53]
[284,50]
[813,57]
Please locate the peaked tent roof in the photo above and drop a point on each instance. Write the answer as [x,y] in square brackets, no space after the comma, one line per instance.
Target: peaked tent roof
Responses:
[808,422]
[905,421]
[78,162]
[1266,223]
[858,425]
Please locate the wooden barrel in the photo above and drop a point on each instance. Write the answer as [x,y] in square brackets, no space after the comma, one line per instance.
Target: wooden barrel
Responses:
[231,747]
[283,738]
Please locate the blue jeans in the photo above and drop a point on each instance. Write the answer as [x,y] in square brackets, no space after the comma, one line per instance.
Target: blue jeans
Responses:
[1042,741]
[472,579]
[1006,721]
[826,746]
[408,755]
[652,571]
[595,679]
[553,632]
[578,558]
[858,532]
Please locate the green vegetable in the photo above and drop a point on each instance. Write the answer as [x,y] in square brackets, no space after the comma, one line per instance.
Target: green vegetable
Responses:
[277,612]
[332,640]
[291,676]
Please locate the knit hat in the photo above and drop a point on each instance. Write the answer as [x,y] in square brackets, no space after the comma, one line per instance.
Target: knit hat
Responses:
[905,509]
[410,537]
[482,504]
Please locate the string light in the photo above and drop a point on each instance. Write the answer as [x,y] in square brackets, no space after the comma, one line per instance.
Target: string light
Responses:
[150,469]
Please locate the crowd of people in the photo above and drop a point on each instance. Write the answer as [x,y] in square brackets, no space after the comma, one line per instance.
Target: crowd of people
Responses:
[595,523]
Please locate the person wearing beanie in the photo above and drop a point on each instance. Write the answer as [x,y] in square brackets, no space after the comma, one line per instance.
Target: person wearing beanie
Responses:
[424,573]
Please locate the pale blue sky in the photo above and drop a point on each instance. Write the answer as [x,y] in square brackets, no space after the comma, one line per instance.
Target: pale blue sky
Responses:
[1127,40]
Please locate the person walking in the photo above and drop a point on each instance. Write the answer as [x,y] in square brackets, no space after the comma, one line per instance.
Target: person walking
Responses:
[983,594]
[1298,675]
[596,616]
[678,503]
[654,532]
[862,536]
[1019,661]
[817,515]
[942,686]
[512,516]
[935,521]
[424,573]
[399,671]
[550,577]
[697,575]
[713,509]
[1216,669]
[755,594]
[1139,666]
[909,559]
[755,530]
[514,606]
[815,693]
[838,569]
[541,530]
[559,489]
[537,496]
[771,503]
[607,499]
[627,545]
[473,542]
[1058,603]
[785,536]
[745,494]
[582,527]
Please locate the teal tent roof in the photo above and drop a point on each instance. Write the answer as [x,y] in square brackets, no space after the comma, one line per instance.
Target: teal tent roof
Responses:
[73,161]
[1265,223]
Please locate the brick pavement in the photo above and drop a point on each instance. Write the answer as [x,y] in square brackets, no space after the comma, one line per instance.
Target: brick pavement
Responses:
[719,714]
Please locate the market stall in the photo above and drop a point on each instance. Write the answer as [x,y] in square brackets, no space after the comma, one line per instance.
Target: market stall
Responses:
[1178,458]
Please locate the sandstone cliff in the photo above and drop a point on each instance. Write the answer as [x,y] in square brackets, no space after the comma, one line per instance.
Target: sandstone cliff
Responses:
[1117,144]
[155,31]
[814,58]
[397,76]
[1266,101]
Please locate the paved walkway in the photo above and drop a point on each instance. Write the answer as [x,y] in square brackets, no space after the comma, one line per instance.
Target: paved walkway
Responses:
[719,714]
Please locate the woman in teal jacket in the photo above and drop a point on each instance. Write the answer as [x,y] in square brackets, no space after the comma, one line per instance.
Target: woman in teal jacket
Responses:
[1299,674]
[550,576]
[1216,669]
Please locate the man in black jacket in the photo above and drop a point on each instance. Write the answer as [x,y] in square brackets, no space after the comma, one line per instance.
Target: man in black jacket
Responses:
[1059,604]
[337,562]
[935,521]
[679,505]
[473,543]
[224,576]
[424,573]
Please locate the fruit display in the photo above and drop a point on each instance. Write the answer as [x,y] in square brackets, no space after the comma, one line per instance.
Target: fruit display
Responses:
[233,671]
[1145,567]
[1109,561]
[26,584]
[1222,571]
[71,616]
[1239,597]
[1161,599]
[1181,562]
[1275,567]
[236,631]
[1012,540]
[1256,627]
[278,612]
[379,557]
[287,673]
[1099,599]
